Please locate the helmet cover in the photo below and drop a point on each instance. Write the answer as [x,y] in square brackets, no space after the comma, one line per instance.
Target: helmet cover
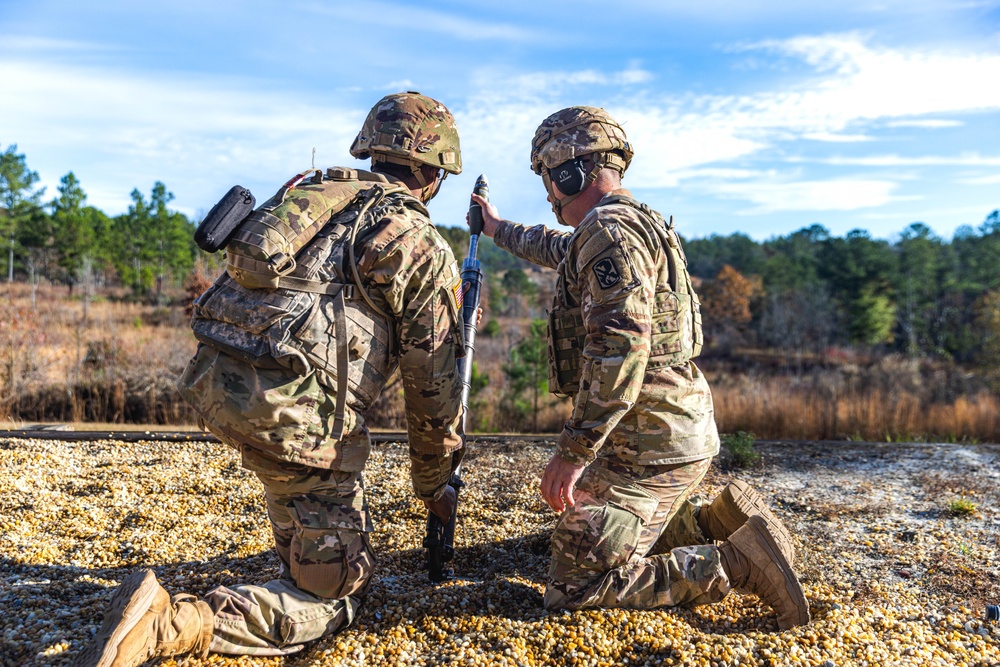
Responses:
[410,128]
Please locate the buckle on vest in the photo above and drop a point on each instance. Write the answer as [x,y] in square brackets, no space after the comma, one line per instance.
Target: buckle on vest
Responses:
[282,264]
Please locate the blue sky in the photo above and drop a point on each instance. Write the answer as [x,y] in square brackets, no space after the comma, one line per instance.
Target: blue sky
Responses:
[754,116]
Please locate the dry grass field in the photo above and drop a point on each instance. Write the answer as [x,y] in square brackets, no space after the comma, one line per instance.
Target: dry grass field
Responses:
[897,551]
[107,360]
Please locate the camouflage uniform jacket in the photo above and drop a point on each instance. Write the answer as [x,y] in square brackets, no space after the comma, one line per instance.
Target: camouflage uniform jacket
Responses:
[614,268]
[409,272]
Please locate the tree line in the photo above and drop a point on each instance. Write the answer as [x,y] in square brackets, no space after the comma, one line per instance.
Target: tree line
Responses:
[918,294]
[806,291]
[66,241]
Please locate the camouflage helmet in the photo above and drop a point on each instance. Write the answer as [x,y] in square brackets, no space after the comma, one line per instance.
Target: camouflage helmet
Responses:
[577,131]
[410,128]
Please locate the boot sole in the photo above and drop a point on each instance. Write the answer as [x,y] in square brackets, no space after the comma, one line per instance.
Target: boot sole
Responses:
[740,502]
[767,543]
[128,605]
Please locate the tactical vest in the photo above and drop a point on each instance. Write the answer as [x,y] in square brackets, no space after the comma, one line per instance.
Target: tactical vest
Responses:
[291,296]
[676,312]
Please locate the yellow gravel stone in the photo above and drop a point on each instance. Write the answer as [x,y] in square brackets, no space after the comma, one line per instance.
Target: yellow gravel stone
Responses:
[892,577]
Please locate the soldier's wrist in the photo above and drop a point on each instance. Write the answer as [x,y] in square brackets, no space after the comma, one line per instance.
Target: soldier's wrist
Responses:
[501,231]
[574,452]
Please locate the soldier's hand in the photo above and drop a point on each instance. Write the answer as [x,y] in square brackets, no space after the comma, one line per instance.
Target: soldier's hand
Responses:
[558,482]
[443,506]
[491,216]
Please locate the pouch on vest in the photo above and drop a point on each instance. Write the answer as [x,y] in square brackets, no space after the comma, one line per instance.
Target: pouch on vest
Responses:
[566,336]
[263,249]
[217,228]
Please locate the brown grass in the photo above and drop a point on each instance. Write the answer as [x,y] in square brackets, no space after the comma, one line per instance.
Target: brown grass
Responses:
[839,405]
[105,360]
[115,361]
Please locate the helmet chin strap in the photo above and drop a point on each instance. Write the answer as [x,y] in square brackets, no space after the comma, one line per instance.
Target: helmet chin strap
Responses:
[418,174]
[427,190]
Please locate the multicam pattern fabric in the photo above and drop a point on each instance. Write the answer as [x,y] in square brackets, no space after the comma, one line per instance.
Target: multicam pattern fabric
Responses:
[637,394]
[265,245]
[573,132]
[267,376]
[321,524]
[627,542]
[410,127]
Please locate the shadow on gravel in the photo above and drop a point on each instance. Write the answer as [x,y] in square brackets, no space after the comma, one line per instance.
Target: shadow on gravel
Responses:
[482,578]
[70,599]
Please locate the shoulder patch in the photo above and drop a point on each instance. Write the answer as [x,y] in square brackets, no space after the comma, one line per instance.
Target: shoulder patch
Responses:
[607,273]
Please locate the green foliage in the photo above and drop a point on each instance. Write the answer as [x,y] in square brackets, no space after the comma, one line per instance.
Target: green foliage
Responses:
[742,453]
[458,239]
[492,329]
[476,418]
[919,294]
[154,243]
[21,217]
[516,292]
[17,188]
[527,376]
[961,507]
[706,257]
[872,317]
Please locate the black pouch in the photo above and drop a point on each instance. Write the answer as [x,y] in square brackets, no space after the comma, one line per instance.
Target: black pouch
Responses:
[218,226]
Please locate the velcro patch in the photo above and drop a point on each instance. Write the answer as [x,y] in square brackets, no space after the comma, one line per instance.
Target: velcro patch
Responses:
[607,273]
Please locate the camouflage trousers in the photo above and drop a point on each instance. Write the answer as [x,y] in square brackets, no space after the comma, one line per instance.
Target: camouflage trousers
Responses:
[632,540]
[320,523]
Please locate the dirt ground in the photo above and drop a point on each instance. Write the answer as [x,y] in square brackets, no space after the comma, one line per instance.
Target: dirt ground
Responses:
[898,552]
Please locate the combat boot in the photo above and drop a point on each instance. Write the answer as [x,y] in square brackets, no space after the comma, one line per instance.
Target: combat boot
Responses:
[731,509]
[142,623]
[754,564]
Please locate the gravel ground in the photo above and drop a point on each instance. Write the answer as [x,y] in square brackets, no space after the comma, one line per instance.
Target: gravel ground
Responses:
[894,576]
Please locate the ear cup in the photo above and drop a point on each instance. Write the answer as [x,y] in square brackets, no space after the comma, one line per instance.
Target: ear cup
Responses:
[569,176]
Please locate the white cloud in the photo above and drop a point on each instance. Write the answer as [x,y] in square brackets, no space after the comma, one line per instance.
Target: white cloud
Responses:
[989,179]
[833,195]
[706,141]
[856,86]
[190,130]
[929,123]
[500,90]
[415,20]
[963,160]
[14,43]
[834,138]
[185,132]
[882,83]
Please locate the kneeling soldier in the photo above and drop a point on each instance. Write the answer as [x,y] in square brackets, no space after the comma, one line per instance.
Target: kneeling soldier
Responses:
[624,328]
[287,373]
